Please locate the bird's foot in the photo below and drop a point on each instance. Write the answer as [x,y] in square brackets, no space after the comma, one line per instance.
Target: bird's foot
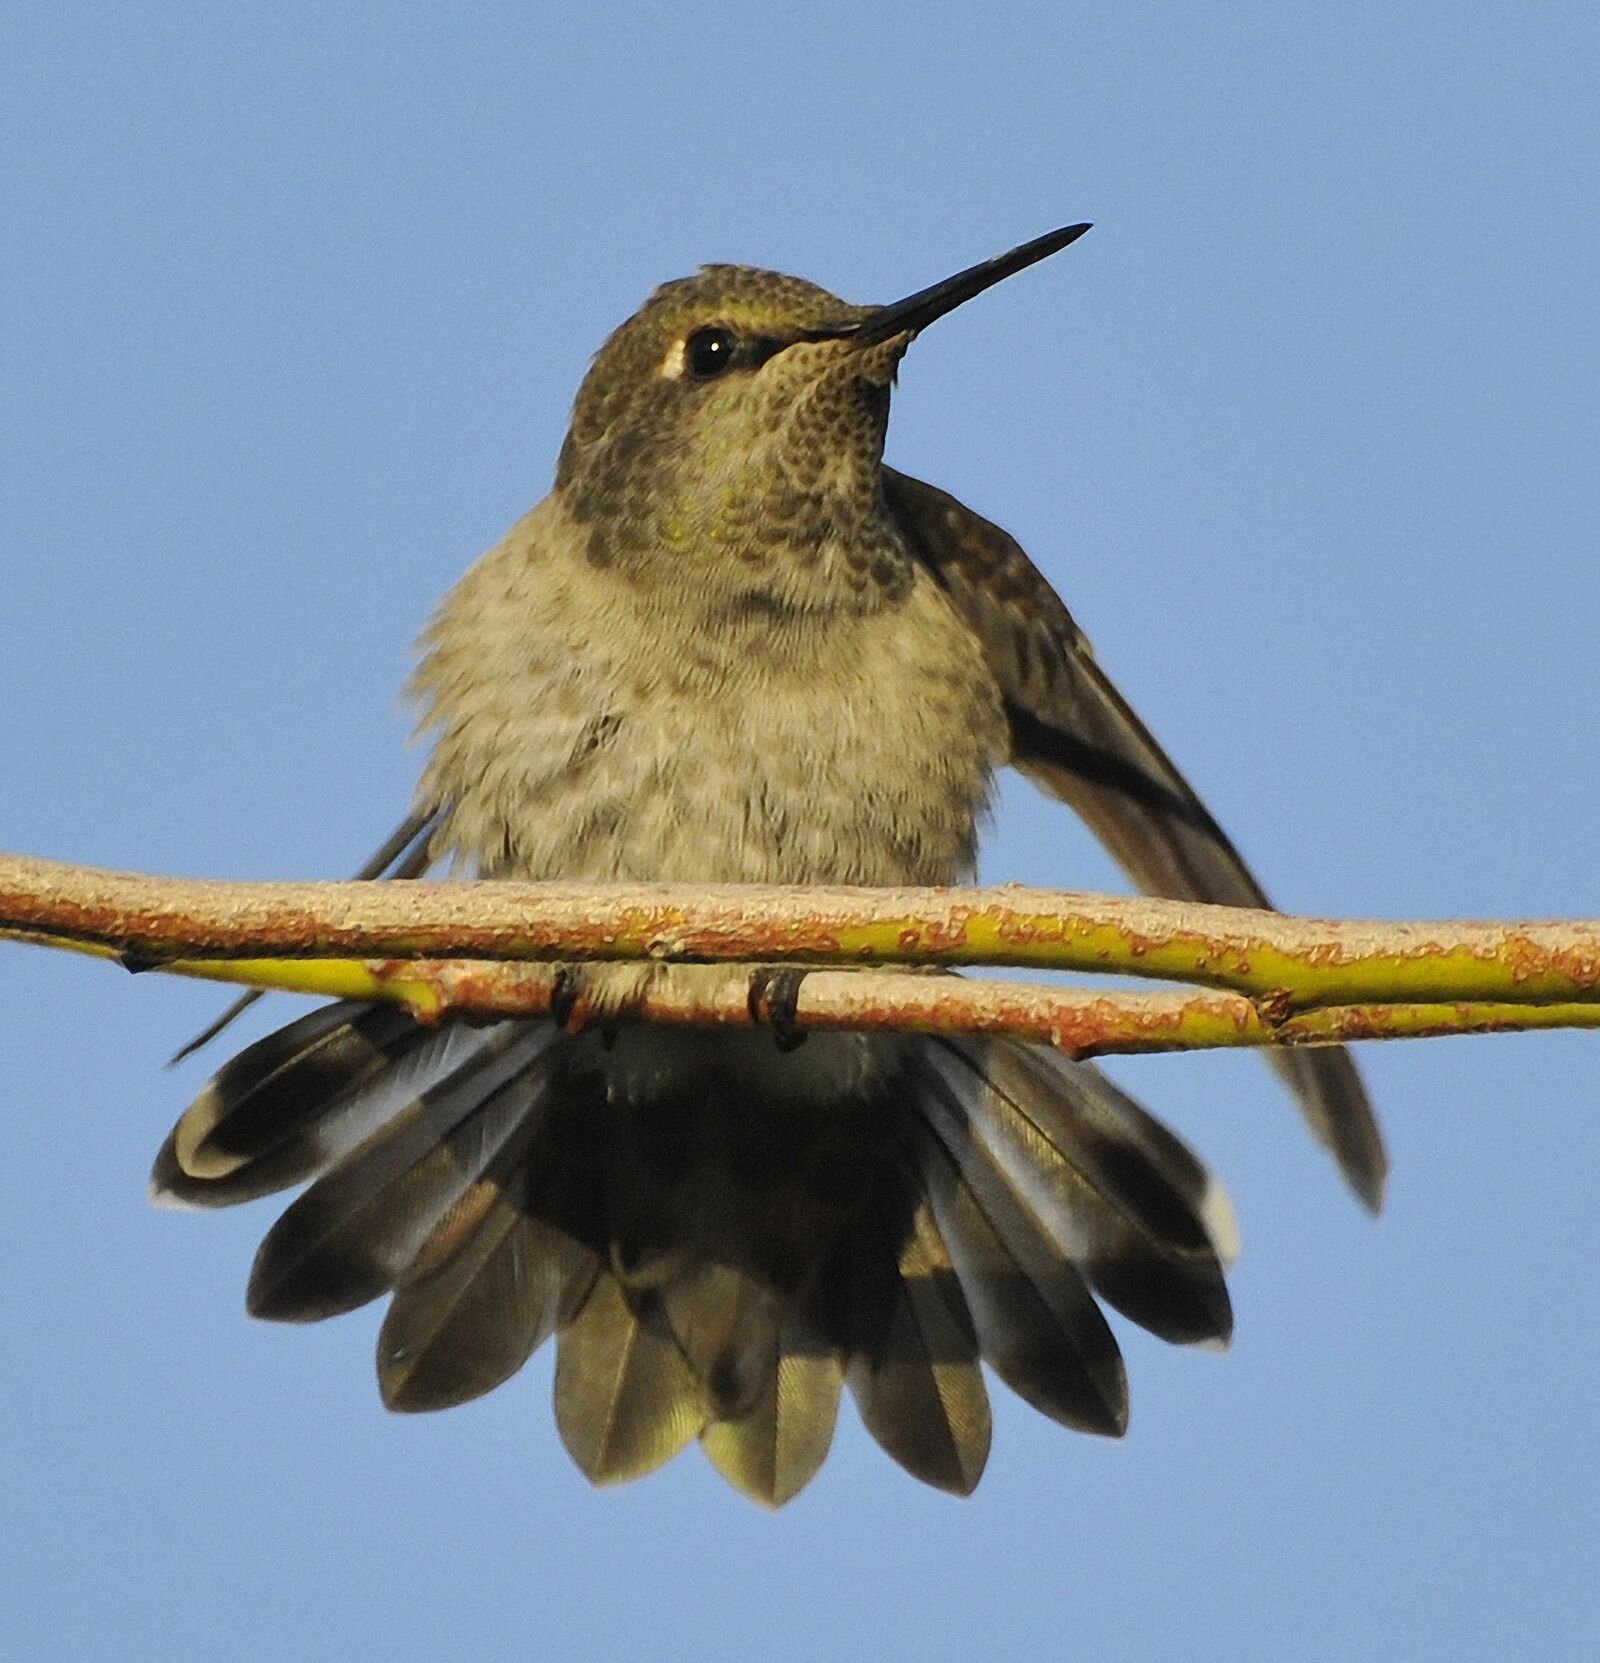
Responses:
[566,998]
[775,999]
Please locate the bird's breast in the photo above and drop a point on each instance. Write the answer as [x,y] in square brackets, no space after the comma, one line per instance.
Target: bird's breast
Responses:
[586,730]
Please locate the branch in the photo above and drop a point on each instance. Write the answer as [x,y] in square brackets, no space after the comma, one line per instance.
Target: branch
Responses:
[1076,1021]
[1293,981]
[1299,963]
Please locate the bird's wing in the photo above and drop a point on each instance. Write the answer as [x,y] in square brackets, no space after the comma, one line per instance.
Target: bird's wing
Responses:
[1074,735]
[403,854]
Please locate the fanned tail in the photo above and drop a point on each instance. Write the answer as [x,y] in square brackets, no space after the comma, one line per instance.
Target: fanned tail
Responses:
[719,1237]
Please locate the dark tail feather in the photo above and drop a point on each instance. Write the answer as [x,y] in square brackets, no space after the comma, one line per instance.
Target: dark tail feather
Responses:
[719,1237]
[294,1102]
[726,1324]
[353,1234]
[1037,1323]
[492,1283]
[913,1367]
[1121,1196]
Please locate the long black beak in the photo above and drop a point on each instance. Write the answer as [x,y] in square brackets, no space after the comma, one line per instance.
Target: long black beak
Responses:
[917,311]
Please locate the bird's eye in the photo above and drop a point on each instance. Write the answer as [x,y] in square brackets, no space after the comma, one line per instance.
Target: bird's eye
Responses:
[709,353]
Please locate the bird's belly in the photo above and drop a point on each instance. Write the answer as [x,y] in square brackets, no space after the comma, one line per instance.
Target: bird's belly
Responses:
[851,752]
[869,784]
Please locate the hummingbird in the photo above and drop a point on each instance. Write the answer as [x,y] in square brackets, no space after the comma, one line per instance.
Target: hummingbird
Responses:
[733,645]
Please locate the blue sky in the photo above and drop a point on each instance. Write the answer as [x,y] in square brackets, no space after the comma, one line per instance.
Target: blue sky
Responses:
[295,302]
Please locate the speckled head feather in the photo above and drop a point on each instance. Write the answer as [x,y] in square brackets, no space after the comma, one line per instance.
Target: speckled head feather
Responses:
[745,299]
[772,461]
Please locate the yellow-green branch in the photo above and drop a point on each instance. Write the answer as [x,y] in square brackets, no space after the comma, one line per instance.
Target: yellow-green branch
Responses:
[1080,1022]
[1281,980]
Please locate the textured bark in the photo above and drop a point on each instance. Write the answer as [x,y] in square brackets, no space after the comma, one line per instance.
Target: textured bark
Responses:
[1286,980]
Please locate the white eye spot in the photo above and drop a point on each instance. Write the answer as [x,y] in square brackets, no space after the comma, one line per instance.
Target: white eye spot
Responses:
[672,364]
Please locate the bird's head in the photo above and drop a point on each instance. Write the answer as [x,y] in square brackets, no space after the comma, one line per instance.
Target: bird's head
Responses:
[735,425]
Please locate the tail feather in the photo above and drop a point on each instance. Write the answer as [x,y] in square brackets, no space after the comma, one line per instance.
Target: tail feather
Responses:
[913,1367]
[489,1287]
[291,1104]
[351,1235]
[626,1399]
[1109,1194]
[510,1264]
[772,1451]
[1038,1325]
[726,1325]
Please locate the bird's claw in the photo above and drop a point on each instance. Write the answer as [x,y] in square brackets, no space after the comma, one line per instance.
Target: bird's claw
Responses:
[775,1000]
[564,996]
